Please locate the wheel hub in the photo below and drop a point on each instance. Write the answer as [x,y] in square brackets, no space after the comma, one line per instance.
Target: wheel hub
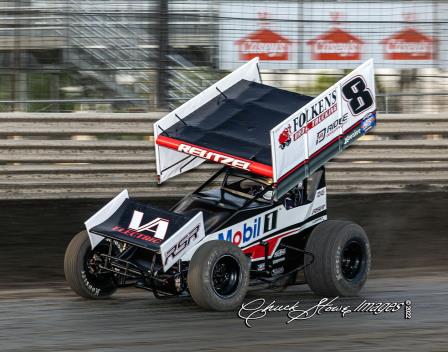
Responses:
[93,264]
[225,276]
[352,258]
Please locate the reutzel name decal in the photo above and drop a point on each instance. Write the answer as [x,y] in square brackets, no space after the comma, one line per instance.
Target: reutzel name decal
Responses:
[216,157]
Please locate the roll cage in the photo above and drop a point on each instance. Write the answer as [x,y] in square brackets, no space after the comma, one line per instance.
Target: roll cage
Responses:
[229,202]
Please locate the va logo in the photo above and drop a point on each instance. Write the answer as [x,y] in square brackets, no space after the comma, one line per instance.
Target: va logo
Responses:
[157,227]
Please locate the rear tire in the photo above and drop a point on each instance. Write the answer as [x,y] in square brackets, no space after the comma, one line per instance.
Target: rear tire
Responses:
[80,276]
[218,276]
[341,259]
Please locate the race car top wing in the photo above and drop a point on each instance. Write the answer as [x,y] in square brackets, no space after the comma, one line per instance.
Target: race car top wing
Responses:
[172,162]
[323,128]
[264,130]
[147,227]
[231,128]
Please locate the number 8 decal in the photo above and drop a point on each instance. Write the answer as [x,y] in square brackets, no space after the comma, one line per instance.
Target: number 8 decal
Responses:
[357,94]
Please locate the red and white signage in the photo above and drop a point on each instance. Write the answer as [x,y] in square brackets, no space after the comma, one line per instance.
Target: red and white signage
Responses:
[342,35]
[408,44]
[266,29]
[336,44]
[339,36]
[266,44]
[302,137]
[216,156]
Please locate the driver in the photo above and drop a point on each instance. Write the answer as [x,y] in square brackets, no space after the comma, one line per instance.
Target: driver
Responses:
[294,197]
[251,187]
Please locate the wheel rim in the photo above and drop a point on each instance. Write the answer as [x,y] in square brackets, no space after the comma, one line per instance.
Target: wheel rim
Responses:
[352,259]
[226,275]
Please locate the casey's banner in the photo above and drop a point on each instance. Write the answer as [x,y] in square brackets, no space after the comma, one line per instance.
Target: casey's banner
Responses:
[267,30]
[311,34]
[326,125]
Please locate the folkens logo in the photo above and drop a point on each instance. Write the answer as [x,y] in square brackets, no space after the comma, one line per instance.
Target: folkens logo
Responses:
[309,118]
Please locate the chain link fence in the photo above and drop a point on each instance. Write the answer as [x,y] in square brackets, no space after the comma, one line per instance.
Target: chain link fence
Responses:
[110,55]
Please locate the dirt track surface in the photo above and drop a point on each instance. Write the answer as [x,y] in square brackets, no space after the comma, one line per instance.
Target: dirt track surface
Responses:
[54,319]
[39,313]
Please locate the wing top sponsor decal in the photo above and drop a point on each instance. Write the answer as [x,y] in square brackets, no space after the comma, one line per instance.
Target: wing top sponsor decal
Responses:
[136,234]
[331,129]
[368,122]
[216,156]
[285,137]
[157,227]
[213,156]
[350,137]
[360,128]
[153,232]
[308,119]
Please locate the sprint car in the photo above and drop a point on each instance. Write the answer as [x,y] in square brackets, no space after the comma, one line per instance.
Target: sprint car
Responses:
[260,221]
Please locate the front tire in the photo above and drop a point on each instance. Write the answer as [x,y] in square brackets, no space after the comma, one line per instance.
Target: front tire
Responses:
[341,259]
[84,279]
[218,276]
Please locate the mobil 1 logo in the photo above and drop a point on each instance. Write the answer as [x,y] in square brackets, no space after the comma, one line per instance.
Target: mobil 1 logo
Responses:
[270,221]
[250,230]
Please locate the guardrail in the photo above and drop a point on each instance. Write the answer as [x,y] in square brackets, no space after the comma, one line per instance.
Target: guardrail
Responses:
[387,103]
[96,155]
